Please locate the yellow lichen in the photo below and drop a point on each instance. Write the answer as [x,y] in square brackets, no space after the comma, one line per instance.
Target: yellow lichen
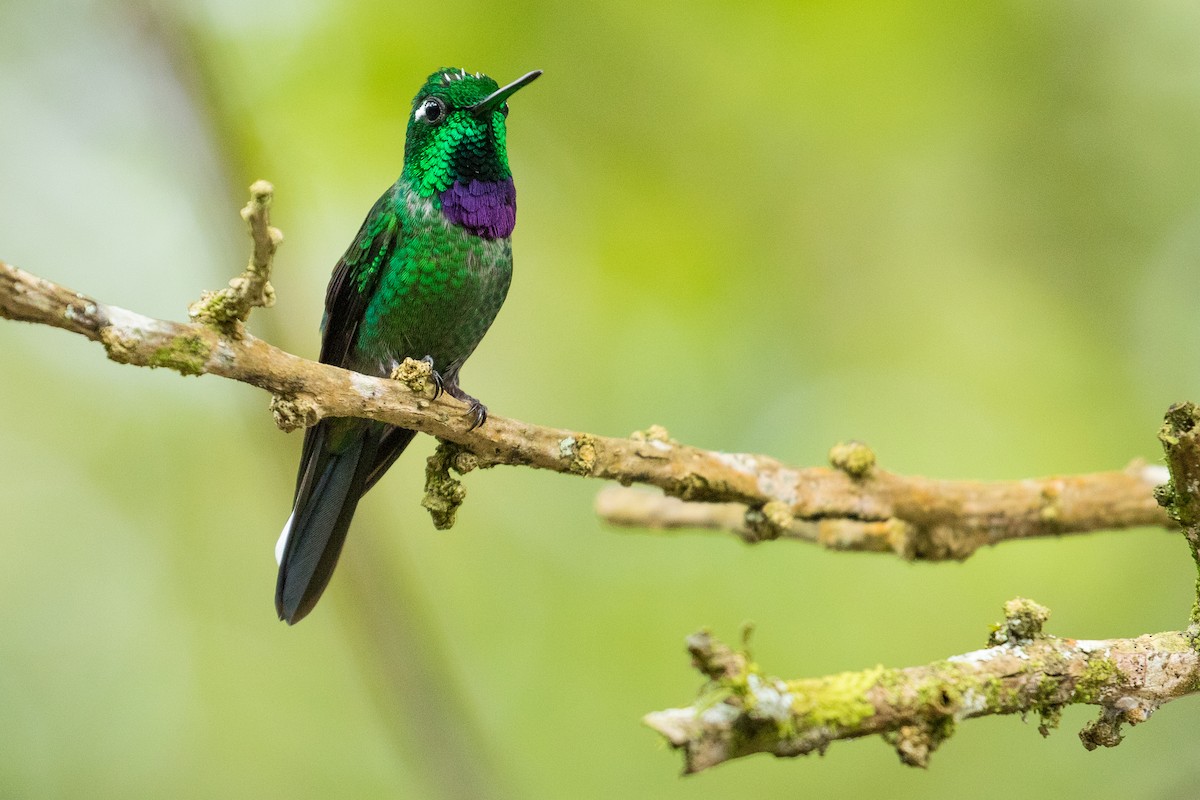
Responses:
[655,433]
[416,375]
[853,458]
[581,450]
[836,700]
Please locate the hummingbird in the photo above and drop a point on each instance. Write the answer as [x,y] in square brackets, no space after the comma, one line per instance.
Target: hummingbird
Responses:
[424,279]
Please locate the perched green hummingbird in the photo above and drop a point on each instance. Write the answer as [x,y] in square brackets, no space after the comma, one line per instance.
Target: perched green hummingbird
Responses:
[424,278]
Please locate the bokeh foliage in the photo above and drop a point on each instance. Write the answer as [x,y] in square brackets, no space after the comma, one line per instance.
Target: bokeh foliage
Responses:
[966,234]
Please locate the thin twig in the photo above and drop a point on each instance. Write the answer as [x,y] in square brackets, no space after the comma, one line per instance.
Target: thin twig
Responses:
[252,289]
[989,522]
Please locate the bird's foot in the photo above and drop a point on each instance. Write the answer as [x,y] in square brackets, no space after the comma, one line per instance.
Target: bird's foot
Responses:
[439,385]
[417,375]
[476,410]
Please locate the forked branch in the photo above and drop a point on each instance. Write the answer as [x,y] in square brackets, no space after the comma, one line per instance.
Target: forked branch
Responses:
[741,711]
[851,505]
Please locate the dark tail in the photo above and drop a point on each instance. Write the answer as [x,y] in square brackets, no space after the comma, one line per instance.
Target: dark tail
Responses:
[342,459]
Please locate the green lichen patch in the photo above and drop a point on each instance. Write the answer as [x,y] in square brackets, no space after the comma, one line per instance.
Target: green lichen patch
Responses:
[186,354]
[1180,437]
[1164,495]
[1049,719]
[1101,673]
[1023,621]
[293,413]
[443,492]
[838,701]
[228,308]
[853,458]
[120,348]
[997,694]
[221,308]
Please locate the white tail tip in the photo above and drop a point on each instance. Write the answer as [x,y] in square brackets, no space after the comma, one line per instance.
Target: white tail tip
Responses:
[281,545]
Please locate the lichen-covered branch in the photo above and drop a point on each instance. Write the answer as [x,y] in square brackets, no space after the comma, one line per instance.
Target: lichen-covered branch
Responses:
[959,517]
[935,519]
[741,710]
[642,509]
[251,289]
[851,505]
[1180,437]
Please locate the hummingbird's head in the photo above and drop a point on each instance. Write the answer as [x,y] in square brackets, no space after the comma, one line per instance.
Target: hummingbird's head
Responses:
[456,131]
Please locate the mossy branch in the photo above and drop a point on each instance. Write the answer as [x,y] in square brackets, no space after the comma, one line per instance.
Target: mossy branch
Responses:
[1180,437]
[741,710]
[252,289]
[854,504]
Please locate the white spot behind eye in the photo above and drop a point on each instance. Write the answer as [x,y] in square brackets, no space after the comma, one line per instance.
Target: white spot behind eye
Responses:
[420,112]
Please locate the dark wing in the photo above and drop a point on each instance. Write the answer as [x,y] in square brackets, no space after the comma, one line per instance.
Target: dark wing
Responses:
[356,277]
[391,445]
[351,287]
[342,458]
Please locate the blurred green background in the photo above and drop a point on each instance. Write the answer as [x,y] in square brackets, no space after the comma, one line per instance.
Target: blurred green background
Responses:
[967,234]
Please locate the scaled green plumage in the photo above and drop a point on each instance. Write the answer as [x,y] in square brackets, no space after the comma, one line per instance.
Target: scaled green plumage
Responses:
[424,278]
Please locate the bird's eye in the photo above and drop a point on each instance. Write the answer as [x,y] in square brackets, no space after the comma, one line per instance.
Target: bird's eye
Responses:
[432,110]
[504,110]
